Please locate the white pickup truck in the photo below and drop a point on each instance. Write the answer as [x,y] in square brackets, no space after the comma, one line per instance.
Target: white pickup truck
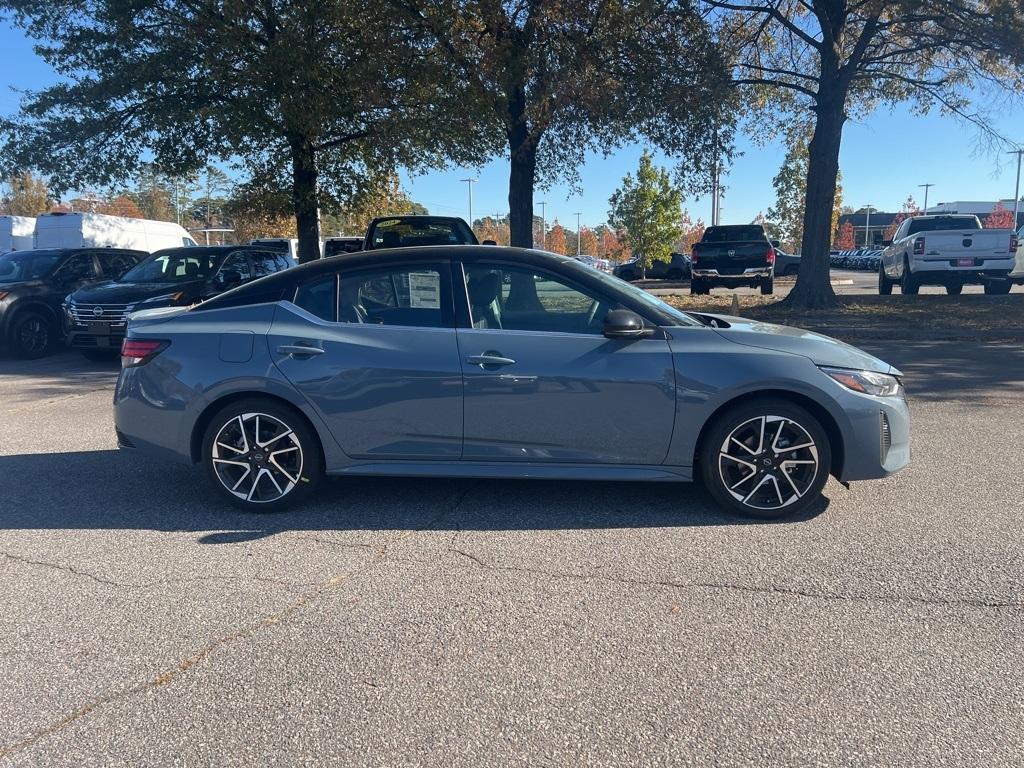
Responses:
[949,250]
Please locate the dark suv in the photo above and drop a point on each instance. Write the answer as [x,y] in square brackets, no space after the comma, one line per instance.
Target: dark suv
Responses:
[97,315]
[34,283]
[676,268]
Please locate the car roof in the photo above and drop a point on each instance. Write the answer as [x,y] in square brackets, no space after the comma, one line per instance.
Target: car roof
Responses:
[66,251]
[416,217]
[210,250]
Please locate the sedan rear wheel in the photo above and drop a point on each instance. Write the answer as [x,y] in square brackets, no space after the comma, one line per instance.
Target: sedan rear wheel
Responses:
[767,459]
[262,456]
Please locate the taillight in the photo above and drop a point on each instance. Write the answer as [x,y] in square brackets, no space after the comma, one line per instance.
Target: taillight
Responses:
[918,246]
[769,256]
[1014,244]
[693,256]
[141,351]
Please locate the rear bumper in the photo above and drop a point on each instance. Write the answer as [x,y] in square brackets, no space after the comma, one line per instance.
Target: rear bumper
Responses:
[948,267]
[747,274]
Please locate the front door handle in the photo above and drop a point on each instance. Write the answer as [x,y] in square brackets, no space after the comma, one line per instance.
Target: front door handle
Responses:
[489,359]
[299,350]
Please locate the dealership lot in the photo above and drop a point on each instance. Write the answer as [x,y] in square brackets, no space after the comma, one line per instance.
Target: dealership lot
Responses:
[457,622]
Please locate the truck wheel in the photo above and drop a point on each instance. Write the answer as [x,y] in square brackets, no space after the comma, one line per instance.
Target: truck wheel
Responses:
[697,288]
[997,287]
[954,289]
[884,283]
[909,284]
[32,333]
[767,286]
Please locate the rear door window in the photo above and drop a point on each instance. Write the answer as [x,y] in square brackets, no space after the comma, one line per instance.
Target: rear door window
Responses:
[114,265]
[237,262]
[411,295]
[319,298]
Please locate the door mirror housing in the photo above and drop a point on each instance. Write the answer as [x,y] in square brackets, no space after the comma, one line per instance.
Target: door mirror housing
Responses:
[229,277]
[624,324]
[775,243]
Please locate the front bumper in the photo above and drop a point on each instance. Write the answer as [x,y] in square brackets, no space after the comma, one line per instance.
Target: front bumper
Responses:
[878,441]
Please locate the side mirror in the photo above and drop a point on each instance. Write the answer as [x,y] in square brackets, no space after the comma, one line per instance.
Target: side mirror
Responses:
[490,242]
[229,277]
[775,243]
[623,324]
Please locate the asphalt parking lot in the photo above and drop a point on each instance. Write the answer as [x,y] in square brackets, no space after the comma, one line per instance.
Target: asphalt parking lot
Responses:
[459,623]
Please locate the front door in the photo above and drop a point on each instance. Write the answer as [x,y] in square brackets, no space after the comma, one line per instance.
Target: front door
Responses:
[543,384]
[382,366]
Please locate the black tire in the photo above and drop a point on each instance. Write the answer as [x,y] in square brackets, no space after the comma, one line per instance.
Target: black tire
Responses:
[909,284]
[884,283]
[100,355]
[32,334]
[307,470]
[954,289]
[998,287]
[699,288]
[767,286]
[715,464]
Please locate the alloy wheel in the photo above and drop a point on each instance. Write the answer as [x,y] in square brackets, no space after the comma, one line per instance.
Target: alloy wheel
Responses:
[257,457]
[768,462]
[33,336]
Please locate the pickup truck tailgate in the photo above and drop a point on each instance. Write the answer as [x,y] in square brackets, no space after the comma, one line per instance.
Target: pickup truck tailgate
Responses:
[730,258]
[966,244]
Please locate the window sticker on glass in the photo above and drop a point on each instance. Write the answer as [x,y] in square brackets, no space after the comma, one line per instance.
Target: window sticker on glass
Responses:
[425,290]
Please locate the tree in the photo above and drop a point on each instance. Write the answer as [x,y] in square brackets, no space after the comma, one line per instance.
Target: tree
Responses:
[832,58]
[121,205]
[28,195]
[556,242]
[560,77]
[1000,218]
[909,209]
[648,210]
[312,93]
[846,241]
[611,246]
[588,242]
[790,184]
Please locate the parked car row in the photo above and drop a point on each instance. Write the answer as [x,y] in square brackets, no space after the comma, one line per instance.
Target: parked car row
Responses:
[859,258]
[676,268]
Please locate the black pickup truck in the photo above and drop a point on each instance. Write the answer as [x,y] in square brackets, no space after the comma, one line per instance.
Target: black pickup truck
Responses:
[734,255]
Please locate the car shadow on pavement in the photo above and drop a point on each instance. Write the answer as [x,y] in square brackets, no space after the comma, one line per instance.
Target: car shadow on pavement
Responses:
[112,489]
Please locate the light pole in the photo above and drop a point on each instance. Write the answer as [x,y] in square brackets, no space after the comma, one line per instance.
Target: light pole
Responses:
[926,188]
[543,224]
[470,182]
[1016,189]
[867,225]
[578,214]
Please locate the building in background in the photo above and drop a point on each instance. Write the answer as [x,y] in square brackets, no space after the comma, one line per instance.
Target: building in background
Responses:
[980,208]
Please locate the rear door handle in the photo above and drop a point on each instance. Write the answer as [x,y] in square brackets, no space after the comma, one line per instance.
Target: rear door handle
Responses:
[299,350]
[489,358]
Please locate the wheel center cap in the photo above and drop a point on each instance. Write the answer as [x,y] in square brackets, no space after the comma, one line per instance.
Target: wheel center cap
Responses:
[766,462]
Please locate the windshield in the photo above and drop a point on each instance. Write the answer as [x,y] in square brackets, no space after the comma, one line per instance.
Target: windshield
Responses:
[173,267]
[621,286]
[402,233]
[26,265]
[943,222]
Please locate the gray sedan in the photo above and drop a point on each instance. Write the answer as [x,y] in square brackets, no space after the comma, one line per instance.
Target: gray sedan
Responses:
[498,362]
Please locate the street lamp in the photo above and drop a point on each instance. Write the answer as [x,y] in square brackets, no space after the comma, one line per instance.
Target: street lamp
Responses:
[867,225]
[926,188]
[578,214]
[1016,189]
[470,182]
[543,224]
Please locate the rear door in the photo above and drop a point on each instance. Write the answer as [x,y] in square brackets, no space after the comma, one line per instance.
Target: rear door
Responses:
[374,351]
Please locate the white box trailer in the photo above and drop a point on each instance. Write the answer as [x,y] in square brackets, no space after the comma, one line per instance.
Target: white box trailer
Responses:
[97,230]
[16,233]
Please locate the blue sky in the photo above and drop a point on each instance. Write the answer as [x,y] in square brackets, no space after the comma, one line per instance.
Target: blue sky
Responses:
[883,159]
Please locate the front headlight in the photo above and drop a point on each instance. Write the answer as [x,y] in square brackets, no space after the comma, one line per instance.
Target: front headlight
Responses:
[866,382]
[167,298]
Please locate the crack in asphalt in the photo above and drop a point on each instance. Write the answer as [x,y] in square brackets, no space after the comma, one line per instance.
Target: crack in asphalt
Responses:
[271,620]
[150,584]
[749,588]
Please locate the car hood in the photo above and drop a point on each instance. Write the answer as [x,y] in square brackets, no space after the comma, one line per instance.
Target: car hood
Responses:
[820,349]
[132,293]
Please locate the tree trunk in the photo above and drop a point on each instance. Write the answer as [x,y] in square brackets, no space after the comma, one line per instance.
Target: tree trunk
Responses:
[305,198]
[522,174]
[813,289]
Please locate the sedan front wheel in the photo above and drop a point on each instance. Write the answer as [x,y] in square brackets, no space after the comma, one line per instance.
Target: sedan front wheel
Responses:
[767,459]
[262,456]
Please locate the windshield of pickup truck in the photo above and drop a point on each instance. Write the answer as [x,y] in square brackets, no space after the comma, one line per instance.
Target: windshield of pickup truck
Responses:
[733,235]
[403,233]
[943,222]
